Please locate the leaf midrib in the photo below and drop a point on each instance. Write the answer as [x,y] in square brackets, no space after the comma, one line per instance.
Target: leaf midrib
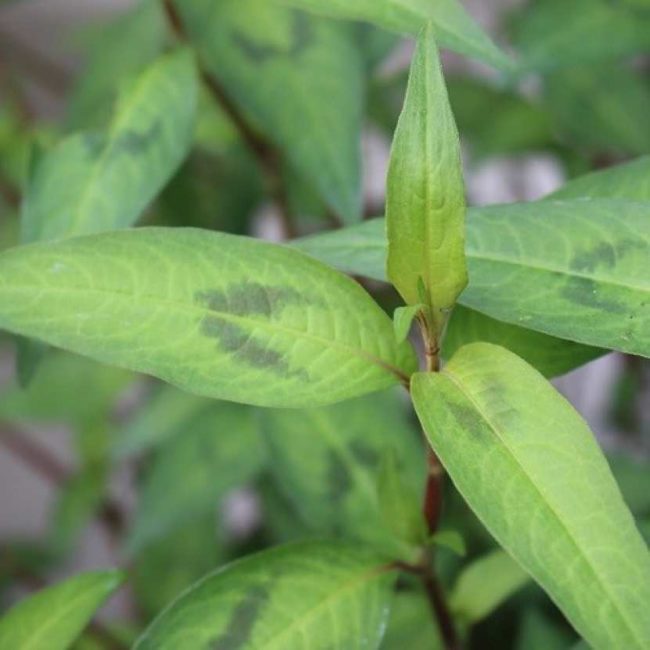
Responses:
[185,307]
[497,432]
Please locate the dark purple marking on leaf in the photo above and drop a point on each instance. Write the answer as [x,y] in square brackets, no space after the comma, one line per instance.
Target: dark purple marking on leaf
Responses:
[301,38]
[585,292]
[238,341]
[467,418]
[603,254]
[243,618]
[250,298]
[338,479]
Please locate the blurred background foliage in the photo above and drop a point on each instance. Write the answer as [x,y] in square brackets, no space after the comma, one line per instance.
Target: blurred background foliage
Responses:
[137,474]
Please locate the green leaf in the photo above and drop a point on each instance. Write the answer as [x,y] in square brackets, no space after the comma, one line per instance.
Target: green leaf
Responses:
[158,420]
[358,249]
[54,617]
[484,584]
[297,79]
[326,462]
[537,632]
[141,33]
[403,319]
[629,180]
[425,202]
[556,33]
[529,467]
[214,451]
[454,27]
[215,314]
[550,355]
[335,594]
[411,625]
[94,181]
[516,124]
[600,109]
[633,478]
[582,262]
[399,504]
[583,265]
[76,502]
[170,565]
[53,395]
[450,539]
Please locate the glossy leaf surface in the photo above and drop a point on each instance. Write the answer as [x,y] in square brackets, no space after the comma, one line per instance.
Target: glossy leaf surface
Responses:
[572,269]
[529,467]
[215,314]
[284,598]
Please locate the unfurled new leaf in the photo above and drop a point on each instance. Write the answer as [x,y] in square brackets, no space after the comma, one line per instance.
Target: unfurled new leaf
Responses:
[425,201]
[215,314]
[336,595]
[95,181]
[403,319]
[54,617]
[529,467]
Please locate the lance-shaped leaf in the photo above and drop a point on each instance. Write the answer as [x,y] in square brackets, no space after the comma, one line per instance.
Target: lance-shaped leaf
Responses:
[54,617]
[96,181]
[297,79]
[583,264]
[454,27]
[529,467]
[578,270]
[215,314]
[337,595]
[425,200]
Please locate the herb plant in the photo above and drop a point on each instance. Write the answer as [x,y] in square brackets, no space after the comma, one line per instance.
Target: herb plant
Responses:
[366,529]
